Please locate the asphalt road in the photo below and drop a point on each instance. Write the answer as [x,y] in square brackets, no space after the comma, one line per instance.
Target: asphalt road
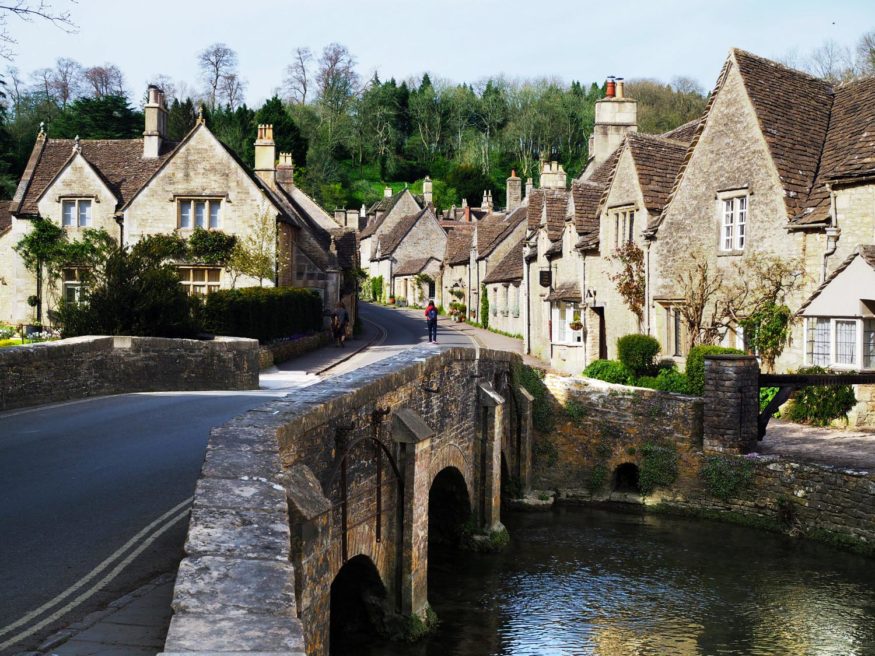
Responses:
[93,493]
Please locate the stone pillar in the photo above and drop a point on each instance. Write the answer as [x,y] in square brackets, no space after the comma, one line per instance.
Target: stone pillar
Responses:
[731,403]
[524,448]
[413,437]
[492,407]
[593,335]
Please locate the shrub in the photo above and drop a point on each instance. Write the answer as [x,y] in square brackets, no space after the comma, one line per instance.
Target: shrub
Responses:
[609,371]
[533,381]
[484,307]
[667,380]
[263,313]
[766,396]
[819,404]
[726,476]
[696,365]
[659,467]
[638,352]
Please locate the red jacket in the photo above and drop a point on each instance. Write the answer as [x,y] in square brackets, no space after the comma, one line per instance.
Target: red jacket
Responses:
[428,309]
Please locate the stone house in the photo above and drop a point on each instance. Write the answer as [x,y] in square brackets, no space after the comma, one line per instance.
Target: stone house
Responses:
[132,188]
[456,264]
[413,238]
[504,286]
[781,165]
[382,216]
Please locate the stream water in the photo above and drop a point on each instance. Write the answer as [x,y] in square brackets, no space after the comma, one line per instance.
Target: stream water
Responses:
[576,582]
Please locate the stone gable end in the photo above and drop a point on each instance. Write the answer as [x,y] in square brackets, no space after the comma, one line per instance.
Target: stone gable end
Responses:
[79,180]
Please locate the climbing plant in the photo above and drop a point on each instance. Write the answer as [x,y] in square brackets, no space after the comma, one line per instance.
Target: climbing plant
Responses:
[630,280]
[726,476]
[484,307]
[659,467]
[766,331]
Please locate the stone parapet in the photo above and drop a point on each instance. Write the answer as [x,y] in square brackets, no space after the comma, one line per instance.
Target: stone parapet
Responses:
[731,403]
[81,367]
[280,352]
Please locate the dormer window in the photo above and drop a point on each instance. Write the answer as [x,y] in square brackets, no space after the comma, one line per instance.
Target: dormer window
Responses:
[76,212]
[203,213]
[733,222]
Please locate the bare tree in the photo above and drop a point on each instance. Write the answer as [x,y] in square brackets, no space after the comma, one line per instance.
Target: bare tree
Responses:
[336,76]
[702,291]
[42,81]
[67,80]
[866,54]
[106,80]
[231,88]
[298,78]
[28,10]
[167,85]
[215,63]
[15,85]
[831,62]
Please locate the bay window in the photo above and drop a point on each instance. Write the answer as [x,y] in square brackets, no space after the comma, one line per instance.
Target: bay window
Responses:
[844,343]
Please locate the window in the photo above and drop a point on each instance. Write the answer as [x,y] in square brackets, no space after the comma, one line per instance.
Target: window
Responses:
[624,227]
[818,342]
[677,334]
[200,281]
[73,285]
[493,307]
[869,344]
[200,213]
[76,213]
[564,315]
[842,343]
[846,342]
[307,271]
[734,224]
[515,305]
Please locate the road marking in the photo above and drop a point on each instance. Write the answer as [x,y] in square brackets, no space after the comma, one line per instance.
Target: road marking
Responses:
[175,514]
[382,338]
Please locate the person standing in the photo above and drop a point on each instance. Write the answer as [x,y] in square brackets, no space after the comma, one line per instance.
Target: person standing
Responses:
[431,317]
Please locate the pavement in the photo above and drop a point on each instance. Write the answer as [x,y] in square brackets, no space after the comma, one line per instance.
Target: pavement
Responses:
[836,447]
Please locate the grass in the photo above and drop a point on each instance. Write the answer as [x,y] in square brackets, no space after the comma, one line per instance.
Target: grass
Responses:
[10,342]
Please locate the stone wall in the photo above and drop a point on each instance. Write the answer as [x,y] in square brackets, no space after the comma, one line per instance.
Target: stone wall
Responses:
[270,529]
[94,366]
[280,352]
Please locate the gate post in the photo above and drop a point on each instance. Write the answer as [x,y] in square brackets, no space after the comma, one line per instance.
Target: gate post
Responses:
[731,403]
[492,407]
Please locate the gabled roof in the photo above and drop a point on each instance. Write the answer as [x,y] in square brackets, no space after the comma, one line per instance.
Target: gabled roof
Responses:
[565,292]
[386,203]
[494,229]
[587,197]
[118,162]
[535,208]
[412,267]
[657,162]
[551,203]
[390,240]
[459,244]
[865,252]
[683,132]
[510,268]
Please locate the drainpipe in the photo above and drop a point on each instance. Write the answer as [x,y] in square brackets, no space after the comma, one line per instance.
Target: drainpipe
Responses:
[647,287]
[832,233]
[120,220]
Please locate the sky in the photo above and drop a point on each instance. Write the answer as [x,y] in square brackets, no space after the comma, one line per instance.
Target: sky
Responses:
[459,40]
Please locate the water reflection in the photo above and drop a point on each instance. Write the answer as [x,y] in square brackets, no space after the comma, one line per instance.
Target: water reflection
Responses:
[586,582]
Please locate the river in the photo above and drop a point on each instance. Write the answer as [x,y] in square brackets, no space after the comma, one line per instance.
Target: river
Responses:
[579,582]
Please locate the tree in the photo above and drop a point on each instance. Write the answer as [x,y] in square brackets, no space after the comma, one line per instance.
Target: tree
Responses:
[216,63]
[181,118]
[630,280]
[231,90]
[702,308]
[66,80]
[106,80]
[286,134]
[106,117]
[255,254]
[29,10]
[298,79]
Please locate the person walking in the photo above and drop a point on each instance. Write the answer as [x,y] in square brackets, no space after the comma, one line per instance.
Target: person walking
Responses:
[340,322]
[431,317]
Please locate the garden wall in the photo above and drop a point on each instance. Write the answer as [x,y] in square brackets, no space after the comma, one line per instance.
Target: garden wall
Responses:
[280,352]
[94,366]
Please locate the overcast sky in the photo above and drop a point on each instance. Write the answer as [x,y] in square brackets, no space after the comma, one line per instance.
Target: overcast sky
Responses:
[463,40]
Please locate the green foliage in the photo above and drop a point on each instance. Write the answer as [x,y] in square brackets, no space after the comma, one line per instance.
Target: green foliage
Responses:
[630,280]
[532,380]
[41,245]
[107,117]
[211,246]
[696,365]
[767,330]
[610,371]
[820,404]
[598,475]
[659,467]
[286,134]
[766,396]
[255,254]
[576,411]
[263,313]
[637,353]
[136,294]
[377,288]
[160,247]
[726,476]
[484,307]
[667,380]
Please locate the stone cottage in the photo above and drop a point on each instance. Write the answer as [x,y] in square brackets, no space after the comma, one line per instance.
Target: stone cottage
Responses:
[382,217]
[132,188]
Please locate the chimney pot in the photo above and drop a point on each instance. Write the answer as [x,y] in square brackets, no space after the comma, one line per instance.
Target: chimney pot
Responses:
[620,87]
[610,87]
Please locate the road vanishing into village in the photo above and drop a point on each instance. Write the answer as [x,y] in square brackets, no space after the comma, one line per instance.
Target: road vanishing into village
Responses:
[95,494]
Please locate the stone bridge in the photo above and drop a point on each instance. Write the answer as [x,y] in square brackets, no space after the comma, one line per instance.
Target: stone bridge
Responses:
[322,504]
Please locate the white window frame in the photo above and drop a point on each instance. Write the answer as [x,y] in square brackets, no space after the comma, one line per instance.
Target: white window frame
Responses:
[624,226]
[733,212]
[562,315]
[862,355]
[515,307]
[200,287]
[78,219]
[212,216]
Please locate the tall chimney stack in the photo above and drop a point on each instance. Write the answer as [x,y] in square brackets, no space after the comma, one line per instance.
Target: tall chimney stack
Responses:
[265,155]
[156,123]
[285,172]
[615,115]
[514,196]
[427,191]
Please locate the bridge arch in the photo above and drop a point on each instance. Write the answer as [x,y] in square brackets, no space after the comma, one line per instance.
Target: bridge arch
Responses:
[357,604]
[449,507]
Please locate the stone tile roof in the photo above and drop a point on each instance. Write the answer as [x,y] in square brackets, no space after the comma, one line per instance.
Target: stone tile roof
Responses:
[535,208]
[346,243]
[412,267]
[568,291]
[510,268]
[793,109]
[555,209]
[867,252]
[587,195]
[554,249]
[683,132]
[393,238]
[657,162]
[494,229]
[459,244]
[5,222]
[119,163]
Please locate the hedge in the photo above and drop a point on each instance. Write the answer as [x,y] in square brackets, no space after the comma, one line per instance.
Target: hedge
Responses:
[263,313]
[637,353]
[609,371]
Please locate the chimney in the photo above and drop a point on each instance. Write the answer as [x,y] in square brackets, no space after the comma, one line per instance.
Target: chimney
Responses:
[610,87]
[467,211]
[387,192]
[156,123]
[265,155]
[285,172]
[615,115]
[529,186]
[553,176]
[426,190]
[340,216]
[484,204]
[514,192]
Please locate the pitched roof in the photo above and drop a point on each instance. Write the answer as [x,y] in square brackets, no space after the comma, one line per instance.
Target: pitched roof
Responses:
[683,132]
[412,267]
[118,162]
[510,268]
[5,221]
[391,239]
[793,109]
[865,252]
[494,229]
[568,291]
[587,196]
[534,208]
[459,244]
[346,244]
[556,205]
[657,162]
